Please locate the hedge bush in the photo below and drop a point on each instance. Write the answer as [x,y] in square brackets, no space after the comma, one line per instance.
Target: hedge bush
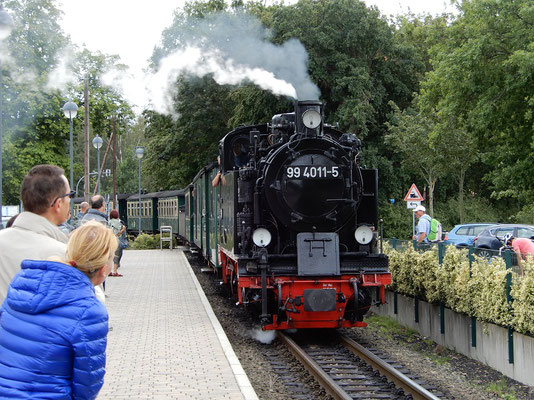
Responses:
[479,290]
[147,242]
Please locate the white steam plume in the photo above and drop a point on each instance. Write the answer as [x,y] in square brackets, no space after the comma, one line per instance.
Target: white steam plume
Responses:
[265,337]
[62,75]
[234,49]
[225,71]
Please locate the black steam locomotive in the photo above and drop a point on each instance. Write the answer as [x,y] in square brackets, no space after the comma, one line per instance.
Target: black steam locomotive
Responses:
[297,222]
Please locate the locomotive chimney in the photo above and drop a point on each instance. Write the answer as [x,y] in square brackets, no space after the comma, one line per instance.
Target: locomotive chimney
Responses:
[309,118]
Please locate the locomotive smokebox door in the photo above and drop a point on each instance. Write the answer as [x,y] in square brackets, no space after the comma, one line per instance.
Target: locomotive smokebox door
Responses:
[318,254]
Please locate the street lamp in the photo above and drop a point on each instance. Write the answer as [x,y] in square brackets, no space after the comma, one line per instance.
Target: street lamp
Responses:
[6,25]
[97,143]
[139,153]
[70,110]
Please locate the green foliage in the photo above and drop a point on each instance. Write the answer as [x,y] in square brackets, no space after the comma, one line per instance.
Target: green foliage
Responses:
[483,80]
[502,389]
[477,209]
[478,290]
[35,130]
[526,215]
[397,220]
[148,242]
[523,289]
[144,241]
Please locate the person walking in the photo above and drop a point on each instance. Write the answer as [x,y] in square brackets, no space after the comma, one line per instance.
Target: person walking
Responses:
[118,229]
[423,225]
[53,330]
[46,197]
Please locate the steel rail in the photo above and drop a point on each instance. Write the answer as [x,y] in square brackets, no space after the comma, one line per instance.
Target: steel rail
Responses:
[331,387]
[400,380]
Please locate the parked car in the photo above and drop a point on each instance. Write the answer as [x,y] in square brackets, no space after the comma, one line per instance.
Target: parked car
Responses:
[464,234]
[490,241]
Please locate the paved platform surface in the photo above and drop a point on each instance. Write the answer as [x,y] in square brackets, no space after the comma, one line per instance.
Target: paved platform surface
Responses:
[165,341]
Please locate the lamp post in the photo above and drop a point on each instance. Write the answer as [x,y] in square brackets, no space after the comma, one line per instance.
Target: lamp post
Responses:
[70,110]
[97,143]
[6,25]
[139,153]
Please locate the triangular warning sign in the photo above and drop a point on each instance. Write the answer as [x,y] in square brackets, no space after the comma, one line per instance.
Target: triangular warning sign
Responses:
[413,194]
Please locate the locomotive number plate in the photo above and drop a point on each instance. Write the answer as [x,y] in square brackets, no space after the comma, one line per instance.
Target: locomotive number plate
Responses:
[312,172]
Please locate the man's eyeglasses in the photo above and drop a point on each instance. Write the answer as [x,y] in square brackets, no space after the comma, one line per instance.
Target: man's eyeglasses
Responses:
[70,194]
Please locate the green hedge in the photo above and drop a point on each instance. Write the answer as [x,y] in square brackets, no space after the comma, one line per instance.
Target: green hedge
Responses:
[479,290]
[147,242]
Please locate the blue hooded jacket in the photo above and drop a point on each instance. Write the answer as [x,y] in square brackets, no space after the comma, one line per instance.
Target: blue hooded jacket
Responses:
[52,334]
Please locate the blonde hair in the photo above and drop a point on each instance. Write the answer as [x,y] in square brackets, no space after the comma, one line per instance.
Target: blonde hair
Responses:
[90,247]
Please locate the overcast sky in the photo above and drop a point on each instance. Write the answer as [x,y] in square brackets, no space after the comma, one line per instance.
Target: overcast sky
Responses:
[123,27]
[131,30]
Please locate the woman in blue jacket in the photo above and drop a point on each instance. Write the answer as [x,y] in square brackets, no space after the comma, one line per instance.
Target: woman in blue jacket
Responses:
[52,328]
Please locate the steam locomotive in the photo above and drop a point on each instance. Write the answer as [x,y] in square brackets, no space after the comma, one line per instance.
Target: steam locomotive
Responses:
[297,222]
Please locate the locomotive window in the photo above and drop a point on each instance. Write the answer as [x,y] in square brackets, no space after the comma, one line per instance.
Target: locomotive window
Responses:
[240,148]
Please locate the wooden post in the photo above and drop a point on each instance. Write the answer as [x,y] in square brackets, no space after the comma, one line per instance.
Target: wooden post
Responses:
[114,165]
[86,183]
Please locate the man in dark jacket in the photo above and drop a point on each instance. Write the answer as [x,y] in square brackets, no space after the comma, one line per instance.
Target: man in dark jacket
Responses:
[97,212]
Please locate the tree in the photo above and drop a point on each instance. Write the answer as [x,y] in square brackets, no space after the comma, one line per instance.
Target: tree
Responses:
[410,132]
[482,79]
[174,155]
[34,131]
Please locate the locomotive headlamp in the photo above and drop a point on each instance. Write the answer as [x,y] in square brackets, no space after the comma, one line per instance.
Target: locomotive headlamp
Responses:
[261,237]
[363,234]
[311,118]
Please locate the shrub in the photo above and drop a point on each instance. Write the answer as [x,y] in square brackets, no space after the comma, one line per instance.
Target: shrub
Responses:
[145,241]
[478,290]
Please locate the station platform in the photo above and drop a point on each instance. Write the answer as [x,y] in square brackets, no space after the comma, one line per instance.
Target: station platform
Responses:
[165,341]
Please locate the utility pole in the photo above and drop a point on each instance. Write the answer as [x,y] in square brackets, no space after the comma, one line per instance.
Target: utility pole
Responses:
[114,165]
[86,144]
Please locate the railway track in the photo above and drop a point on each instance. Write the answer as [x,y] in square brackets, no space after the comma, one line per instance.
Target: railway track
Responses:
[347,370]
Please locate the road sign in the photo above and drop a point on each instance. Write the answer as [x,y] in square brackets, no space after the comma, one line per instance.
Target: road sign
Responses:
[413,194]
[413,204]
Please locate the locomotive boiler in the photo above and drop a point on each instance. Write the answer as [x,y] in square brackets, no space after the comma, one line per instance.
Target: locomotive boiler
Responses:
[298,221]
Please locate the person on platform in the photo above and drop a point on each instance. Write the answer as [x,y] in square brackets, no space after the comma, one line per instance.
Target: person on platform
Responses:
[523,247]
[84,207]
[97,212]
[53,330]
[118,229]
[45,195]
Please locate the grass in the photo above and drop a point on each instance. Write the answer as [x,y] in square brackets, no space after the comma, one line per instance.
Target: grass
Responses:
[391,329]
[501,389]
